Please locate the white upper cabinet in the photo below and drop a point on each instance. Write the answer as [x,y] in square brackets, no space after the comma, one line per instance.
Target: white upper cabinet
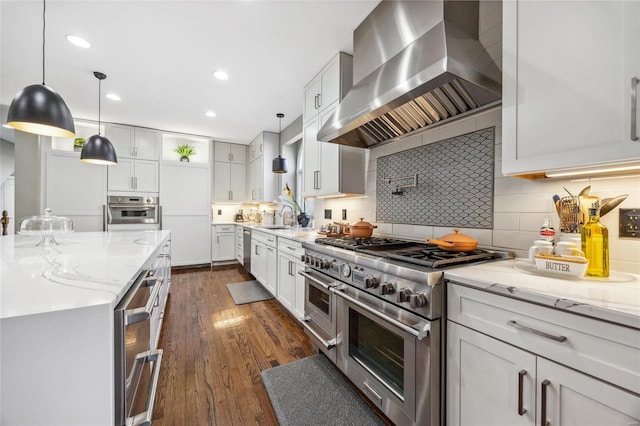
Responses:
[134,175]
[261,182]
[568,68]
[134,142]
[230,152]
[330,85]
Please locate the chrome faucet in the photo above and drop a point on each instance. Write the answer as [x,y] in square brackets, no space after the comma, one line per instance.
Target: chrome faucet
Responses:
[292,214]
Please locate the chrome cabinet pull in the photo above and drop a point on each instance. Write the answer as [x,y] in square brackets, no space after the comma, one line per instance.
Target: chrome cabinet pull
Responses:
[634,107]
[521,409]
[543,402]
[514,324]
[420,334]
[328,344]
[319,100]
[144,418]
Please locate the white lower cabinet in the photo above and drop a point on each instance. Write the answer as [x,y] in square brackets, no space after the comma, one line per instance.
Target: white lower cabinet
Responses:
[223,243]
[512,382]
[264,259]
[290,283]
[239,246]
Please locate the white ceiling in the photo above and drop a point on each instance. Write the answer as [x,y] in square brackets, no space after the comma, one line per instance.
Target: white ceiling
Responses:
[159,56]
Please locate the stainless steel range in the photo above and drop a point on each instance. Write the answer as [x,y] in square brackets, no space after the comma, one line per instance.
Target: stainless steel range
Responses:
[374,306]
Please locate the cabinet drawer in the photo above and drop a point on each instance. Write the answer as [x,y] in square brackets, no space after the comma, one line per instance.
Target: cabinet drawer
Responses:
[264,237]
[608,351]
[292,247]
[227,229]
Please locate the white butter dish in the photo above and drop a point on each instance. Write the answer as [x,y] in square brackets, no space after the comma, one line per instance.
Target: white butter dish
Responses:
[574,266]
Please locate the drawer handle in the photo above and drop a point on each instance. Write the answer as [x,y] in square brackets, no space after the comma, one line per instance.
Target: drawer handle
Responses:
[514,324]
[521,409]
[543,396]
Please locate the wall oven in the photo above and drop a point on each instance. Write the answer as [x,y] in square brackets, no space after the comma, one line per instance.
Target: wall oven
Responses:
[137,365]
[139,211]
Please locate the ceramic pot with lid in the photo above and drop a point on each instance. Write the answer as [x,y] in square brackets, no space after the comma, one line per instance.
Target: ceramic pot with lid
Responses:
[361,229]
[455,242]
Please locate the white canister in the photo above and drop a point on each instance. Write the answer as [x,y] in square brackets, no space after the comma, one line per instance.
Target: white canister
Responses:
[540,247]
[568,248]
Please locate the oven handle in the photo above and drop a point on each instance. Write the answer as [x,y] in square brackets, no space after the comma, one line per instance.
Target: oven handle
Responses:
[327,344]
[315,280]
[144,418]
[133,206]
[132,316]
[420,334]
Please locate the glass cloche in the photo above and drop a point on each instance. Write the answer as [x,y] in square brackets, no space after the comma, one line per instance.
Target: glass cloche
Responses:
[47,225]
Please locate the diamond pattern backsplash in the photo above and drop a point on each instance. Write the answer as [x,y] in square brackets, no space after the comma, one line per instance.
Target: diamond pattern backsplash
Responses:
[454,183]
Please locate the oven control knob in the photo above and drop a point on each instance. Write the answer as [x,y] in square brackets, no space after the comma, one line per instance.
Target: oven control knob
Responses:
[371,282]
[387,288]
[404,294]
[418,300]
[307,259]
[303,258]
[325,264]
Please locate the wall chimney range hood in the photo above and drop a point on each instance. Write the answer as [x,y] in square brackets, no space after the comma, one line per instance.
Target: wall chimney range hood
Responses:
[415,64]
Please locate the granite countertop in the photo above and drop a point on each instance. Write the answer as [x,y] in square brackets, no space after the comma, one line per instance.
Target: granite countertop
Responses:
[615,299]
[85,269]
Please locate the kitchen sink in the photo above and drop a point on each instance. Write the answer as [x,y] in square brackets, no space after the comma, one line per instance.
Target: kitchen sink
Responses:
[274,226]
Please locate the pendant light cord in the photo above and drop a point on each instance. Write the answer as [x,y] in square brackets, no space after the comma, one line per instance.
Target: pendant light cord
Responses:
[99,102]
[44,24]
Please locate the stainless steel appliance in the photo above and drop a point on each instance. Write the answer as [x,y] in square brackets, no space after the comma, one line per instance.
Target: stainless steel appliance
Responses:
[246,249]
[375,307]
[135,381]
[133,210]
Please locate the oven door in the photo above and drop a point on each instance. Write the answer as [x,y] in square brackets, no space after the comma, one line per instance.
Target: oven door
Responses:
[320,312]
[391,355]
[127,213]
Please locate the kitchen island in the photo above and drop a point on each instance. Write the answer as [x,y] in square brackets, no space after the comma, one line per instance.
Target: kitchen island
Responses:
[57,323]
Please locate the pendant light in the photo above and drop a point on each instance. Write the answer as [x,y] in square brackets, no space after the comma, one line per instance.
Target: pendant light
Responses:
[279,164]
[98,149]
[38,108]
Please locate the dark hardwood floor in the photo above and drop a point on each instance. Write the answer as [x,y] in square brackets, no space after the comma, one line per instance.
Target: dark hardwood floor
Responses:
[215,350]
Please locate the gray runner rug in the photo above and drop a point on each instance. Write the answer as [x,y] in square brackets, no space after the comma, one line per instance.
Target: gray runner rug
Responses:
[312,391]
[248,292]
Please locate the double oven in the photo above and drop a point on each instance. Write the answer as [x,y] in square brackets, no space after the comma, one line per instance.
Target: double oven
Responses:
[380,320]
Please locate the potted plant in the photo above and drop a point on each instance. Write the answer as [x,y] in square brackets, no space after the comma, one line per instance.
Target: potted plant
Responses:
[301,215]
[78,143]
[184,151]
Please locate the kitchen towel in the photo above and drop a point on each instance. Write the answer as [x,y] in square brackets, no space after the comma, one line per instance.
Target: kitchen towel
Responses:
[248,292]
[312,391]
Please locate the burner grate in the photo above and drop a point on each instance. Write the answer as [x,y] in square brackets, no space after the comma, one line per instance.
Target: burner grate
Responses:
[439,258]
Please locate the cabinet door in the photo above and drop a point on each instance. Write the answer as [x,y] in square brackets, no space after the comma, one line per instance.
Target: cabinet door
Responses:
[236,184]
[484,383]
[251,182]
[147,144]
[121,175]
[311,99]
[258,182]
[223,246]
[185,189]
[298,308]
[573,398]
[121,137]
[190,238]
[221,152]
[329,176]
[330,84]
[258,261]
[566,93]
[311,158]
[237,153]
[146,176]
[221,181]
[271,269]
[286,282]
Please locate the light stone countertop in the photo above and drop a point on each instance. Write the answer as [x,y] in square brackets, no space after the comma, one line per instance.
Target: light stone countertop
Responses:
[615,299]
[85,269]
[293,233]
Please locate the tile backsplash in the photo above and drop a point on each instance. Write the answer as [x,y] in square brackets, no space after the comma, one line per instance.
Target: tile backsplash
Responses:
[464,162]
[519,205]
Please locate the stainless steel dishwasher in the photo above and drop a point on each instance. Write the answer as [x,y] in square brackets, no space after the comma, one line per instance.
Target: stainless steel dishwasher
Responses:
[246,248]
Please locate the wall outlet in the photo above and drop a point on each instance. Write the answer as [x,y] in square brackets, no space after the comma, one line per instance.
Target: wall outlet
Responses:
[327,213]
[629,222]
[344,214]
[219,212]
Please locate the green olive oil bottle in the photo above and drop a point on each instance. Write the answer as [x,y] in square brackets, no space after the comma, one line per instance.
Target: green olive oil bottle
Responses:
[595,244]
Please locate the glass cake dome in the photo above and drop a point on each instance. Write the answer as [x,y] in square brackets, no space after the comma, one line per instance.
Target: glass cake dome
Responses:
[47,225]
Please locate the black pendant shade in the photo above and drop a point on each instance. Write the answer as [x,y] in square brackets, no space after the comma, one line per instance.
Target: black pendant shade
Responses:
[98,150]
[279,165]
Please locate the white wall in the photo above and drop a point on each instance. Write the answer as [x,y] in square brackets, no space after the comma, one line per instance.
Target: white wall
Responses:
[520,205]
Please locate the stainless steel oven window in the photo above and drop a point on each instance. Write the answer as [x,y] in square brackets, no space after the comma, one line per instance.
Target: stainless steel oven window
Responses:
[320,299]
[378,350]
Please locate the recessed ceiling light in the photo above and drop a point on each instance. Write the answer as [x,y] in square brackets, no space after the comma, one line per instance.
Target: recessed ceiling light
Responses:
[78,41]
[113,97]
[210,114]
[221,75]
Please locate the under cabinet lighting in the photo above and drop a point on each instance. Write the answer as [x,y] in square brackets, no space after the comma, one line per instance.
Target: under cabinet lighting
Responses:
[594,171]
[78,41]
[113,97]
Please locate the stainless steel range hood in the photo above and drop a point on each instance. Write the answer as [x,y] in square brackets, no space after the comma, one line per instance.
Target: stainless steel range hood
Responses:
[416,64]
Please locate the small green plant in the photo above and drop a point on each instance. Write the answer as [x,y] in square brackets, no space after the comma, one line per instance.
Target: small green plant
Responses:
[185,150]
[79,142]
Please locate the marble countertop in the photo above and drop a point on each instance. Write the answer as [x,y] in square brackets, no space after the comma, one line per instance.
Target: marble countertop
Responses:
[615,299]
[85,269]
[293,233]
